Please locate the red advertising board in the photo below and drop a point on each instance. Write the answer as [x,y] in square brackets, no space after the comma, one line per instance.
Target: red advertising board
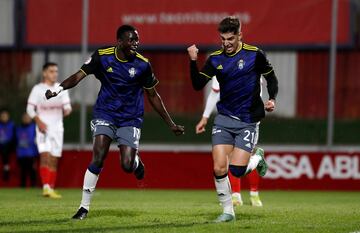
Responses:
[193,170]
[313,171]
[177,23]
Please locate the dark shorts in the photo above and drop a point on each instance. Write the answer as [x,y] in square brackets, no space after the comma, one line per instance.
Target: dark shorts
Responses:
[126,135]
[231,131]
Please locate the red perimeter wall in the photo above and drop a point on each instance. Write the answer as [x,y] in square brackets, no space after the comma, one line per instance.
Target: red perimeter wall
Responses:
[193,170]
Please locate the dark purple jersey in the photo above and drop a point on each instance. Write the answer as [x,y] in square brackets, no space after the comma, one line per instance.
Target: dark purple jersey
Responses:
[121,96]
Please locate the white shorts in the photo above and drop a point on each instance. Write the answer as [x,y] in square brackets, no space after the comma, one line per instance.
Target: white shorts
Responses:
[51,142]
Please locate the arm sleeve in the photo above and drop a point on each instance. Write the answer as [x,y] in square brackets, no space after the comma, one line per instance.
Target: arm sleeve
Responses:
[215,85]
[91,64]
[200,79]
[149,80]
[264,67]
[32,103]
[211,101]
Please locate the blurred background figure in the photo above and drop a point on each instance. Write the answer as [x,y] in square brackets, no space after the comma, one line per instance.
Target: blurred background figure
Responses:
[48,116]
[7,129]
[26,150]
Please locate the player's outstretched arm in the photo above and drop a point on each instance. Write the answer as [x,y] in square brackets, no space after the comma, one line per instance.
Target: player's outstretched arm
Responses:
[68,83]
[158,105]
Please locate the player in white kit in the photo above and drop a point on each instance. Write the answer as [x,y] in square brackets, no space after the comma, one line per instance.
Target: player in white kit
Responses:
[48,115]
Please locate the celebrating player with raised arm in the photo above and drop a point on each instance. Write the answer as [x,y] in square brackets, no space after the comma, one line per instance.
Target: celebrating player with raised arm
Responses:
[238,68]
[118,113]
[48,116]
[235,182]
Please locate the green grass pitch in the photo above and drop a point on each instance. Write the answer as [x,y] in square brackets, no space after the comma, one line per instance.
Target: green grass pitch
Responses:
[25,210]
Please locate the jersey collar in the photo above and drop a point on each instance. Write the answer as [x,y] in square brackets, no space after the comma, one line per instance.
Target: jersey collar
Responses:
[118,57]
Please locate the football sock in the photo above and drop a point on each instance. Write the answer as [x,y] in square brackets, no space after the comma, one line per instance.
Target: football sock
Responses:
[235,183]
[253,162]
[52,178]
[223,190]
[90,179]
[44,175]
[254,180]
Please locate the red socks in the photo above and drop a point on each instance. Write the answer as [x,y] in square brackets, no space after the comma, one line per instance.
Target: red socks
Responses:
[52,178]
[254,181]
[47,176]
[235,183]
[44,175]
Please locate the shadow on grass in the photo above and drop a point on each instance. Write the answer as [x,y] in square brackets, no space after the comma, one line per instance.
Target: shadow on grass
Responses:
[152,226]
[33,222]
[93,214]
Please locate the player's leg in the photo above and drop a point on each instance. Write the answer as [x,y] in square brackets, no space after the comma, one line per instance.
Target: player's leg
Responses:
[100,149]
[235,183]
[53,164]
[254,180]
[131,162]
[223,145]
[33,162]
[45,172]
[5,152]
[56,143]
[22,166]
[103,133]
[220,155]
[44,148]
[128,140]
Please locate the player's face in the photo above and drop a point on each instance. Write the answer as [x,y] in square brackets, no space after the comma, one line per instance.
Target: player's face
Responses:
[51,74]
[4,117]
[230,42]
[129,43]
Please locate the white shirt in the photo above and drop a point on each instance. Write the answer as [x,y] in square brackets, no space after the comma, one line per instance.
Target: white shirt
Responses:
[49,111]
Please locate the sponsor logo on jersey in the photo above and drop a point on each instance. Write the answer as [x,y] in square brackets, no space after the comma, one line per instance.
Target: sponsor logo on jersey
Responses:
[219,67]
[110,70]
[248,145]
[241,64]
[132,72]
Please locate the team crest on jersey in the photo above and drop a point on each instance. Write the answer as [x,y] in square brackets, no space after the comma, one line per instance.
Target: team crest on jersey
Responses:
[132,72]
[241,64]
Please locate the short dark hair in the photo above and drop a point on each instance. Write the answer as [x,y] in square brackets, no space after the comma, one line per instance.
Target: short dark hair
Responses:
[229,24]
[48,64]
[122,29]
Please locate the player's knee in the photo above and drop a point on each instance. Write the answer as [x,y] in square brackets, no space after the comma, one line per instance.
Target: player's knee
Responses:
[237,171]
[219,170]
[98,156]
[127,162]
